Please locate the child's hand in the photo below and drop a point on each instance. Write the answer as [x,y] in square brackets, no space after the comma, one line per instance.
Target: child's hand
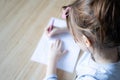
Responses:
[56,51]
[53,31]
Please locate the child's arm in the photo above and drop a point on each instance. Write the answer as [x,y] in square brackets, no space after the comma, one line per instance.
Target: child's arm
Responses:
[51,68]
[55,54]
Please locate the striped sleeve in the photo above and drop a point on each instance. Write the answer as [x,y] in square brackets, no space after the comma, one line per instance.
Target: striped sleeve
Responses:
[86,77]
[51,77]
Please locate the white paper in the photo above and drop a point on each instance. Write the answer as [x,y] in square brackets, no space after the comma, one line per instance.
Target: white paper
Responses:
[68,61]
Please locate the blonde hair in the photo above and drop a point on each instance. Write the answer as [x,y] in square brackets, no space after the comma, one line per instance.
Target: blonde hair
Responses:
[97,18]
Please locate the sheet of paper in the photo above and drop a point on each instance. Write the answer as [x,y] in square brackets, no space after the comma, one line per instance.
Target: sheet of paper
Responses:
[68,61]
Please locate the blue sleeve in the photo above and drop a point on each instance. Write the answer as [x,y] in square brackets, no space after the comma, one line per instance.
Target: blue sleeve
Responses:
[98,76]
[51,77]
[86,77]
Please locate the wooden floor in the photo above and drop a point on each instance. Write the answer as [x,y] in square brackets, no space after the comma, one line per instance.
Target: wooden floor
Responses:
[22,23]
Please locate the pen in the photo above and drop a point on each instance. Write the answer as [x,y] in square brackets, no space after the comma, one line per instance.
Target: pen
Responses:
[51,26]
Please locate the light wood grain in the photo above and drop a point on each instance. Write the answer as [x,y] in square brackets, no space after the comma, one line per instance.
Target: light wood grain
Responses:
[22,23]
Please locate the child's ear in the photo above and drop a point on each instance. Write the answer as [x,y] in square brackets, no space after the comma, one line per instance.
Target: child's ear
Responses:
[87,41]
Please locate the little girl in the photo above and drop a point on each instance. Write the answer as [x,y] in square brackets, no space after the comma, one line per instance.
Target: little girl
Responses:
[95,27]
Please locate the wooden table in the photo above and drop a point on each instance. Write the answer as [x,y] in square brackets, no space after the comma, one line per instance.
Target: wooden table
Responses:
[22,23]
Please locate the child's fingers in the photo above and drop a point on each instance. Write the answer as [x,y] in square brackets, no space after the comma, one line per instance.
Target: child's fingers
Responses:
[59,42]
[56,43]
[65,51]
[52,45]
[51,25]
[46,28]
[60,45]
[52,32]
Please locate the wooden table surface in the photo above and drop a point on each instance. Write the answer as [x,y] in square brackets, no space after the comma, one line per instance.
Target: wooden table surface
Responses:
[22,23]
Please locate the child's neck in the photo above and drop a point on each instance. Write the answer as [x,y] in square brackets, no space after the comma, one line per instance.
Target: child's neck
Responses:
[106,56]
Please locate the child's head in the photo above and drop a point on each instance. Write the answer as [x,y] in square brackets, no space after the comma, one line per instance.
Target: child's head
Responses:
[96,21]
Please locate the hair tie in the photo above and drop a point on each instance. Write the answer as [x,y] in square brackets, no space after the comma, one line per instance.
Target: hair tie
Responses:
[65,12]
